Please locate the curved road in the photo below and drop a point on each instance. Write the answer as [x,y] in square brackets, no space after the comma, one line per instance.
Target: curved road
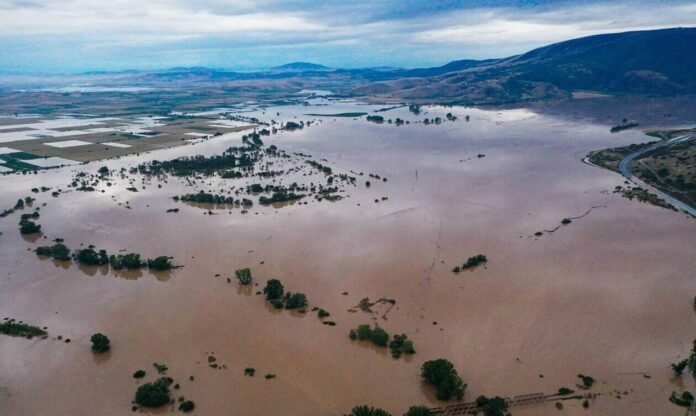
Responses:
[625,168]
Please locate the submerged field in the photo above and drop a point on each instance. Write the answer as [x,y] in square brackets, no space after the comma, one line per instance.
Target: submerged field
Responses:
[608,294]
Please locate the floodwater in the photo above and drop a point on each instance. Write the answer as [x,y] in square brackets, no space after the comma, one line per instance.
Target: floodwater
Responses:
[609,295]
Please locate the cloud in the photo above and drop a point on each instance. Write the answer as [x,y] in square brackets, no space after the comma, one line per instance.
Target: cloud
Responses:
[118,34]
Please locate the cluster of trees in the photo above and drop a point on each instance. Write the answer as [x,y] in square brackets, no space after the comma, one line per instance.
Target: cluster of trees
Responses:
[27,226]
[100,343]
[365,410]
[154,394]
[376,119]
[20,329]
[207,198]
[291,125]
[275,293]
[58,251]
[471,262]
[326,169]
[622,127]
[399,345]
[234,157]
[443,376]
[281,196]
[89,256]
[451,117]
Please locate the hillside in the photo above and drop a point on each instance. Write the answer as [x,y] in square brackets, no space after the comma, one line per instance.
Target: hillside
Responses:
[657,62]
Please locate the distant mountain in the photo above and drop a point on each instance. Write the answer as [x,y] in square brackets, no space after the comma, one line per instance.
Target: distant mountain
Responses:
[656,62]
[300,66]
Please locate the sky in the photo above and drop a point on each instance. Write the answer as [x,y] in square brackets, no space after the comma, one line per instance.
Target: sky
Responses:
[72,36]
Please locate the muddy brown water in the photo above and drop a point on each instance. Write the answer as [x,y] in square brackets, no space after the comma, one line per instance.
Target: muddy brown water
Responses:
[609,295]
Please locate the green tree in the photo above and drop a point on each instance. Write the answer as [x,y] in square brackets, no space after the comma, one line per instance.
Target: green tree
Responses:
[243,276]
[296,301]
[442,374]
[379,337]
[160,263]
[364,332]
[154,394]
[100,343]
[274,289]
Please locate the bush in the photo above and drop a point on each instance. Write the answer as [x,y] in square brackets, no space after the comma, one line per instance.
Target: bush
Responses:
[243,276]
[274,289]
[442,374]
[368,411]
[418,411]
[323,314]
[160,263]
[139,374]
[100,343]
[187,406]
[565,391]
[154,394]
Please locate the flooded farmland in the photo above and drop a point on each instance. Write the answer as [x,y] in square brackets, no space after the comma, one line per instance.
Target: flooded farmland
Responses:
[609,294]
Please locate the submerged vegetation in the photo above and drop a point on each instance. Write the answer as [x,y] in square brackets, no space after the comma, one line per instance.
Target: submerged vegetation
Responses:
[57,251]
[471,262]
[399,345]
[19,329]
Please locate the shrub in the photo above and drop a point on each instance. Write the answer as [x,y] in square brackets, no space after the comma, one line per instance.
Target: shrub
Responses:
[249,371]
[353,335]
[243,276]
[564,391]
[274,289]
[154,394]
[139,374]
[100,343]
[323,314]
[187,406]
[442,374]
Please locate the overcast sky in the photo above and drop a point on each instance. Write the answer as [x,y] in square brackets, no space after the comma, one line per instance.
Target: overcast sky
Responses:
[42,36]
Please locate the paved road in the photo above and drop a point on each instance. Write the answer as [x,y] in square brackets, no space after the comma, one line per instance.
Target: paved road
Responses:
[625,168]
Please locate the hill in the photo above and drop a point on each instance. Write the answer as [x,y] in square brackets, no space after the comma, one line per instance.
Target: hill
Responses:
[300,66]
[656,62]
